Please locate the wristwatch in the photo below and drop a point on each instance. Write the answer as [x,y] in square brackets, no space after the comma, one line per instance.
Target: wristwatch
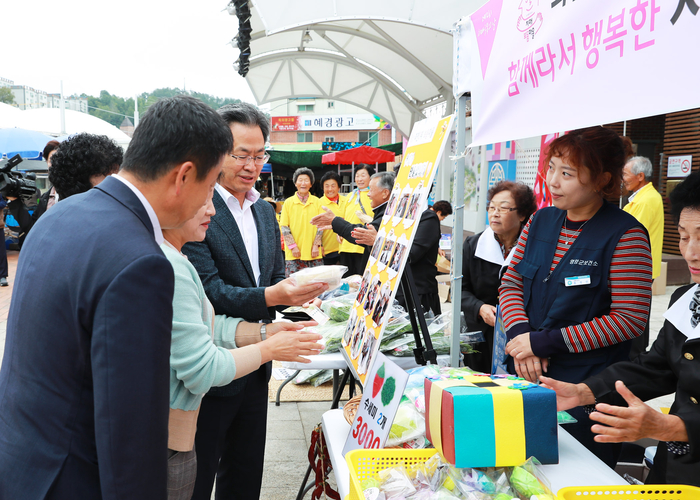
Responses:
[263,331]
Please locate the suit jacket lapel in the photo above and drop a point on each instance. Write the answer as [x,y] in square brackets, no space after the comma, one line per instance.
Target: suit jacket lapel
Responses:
[124,195]
[263,240]
[228,224]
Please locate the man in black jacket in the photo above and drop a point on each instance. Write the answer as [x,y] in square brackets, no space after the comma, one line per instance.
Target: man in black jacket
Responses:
[380,186]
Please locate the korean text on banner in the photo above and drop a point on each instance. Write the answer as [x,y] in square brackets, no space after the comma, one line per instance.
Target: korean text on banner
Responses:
[531,60]
[391,248]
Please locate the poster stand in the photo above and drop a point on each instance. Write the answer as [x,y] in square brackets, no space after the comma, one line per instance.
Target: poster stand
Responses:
[423,354]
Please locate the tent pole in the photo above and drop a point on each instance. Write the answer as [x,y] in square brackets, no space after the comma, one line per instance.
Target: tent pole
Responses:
[458,230]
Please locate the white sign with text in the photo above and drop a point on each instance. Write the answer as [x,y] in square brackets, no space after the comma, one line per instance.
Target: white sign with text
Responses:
[679,166]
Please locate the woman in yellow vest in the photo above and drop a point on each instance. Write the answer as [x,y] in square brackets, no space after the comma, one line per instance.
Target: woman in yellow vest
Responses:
[336,202]
[358,203]
[302,240]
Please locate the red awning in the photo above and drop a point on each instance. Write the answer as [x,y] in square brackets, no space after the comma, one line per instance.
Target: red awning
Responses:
[362,154]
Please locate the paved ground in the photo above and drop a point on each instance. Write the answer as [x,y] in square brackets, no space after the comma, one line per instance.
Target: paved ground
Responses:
[290,425]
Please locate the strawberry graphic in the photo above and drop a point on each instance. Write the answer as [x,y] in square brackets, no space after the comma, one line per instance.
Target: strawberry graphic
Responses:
[378,381]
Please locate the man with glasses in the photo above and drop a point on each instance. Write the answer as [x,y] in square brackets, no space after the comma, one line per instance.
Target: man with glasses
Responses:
[241,265]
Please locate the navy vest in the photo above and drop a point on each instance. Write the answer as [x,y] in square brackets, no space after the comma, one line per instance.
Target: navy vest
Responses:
[550,304]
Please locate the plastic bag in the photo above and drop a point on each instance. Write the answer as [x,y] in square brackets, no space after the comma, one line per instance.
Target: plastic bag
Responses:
[395,483]
[338,309]
[331,275]
[527,480]
[332,333]
[408,424]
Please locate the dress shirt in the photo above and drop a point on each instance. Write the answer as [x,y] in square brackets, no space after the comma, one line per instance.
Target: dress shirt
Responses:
[243,216]
[157,231]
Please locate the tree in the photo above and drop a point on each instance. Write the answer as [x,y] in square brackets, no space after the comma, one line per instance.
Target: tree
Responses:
[6,95]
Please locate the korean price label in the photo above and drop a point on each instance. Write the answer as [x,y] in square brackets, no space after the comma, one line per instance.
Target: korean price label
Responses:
[384,387]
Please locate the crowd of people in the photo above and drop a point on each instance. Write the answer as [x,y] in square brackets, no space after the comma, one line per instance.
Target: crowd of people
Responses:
[150,344]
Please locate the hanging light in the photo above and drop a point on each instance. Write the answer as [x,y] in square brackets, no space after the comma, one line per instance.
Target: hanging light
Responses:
[307,37]
[231,9]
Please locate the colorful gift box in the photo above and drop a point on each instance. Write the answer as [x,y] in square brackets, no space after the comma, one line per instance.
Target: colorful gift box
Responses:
[483,421]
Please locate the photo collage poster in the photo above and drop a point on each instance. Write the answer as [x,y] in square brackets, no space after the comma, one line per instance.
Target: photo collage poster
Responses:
[380,280]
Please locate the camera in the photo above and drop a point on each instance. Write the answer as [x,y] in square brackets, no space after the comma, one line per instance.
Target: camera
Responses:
[16,184]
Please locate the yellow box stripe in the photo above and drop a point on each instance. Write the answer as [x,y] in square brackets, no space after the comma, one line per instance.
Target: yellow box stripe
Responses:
[509,425]
[436,392]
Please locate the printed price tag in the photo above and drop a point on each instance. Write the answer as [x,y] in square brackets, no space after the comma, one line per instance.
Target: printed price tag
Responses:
[384,387]
[577,280]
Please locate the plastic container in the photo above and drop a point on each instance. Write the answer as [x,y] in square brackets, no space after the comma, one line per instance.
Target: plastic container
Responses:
[364,464]
[631,492]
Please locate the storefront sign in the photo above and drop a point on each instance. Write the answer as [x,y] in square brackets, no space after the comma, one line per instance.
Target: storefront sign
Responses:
[389,254]
[679,166]
[328,122]
[383,390]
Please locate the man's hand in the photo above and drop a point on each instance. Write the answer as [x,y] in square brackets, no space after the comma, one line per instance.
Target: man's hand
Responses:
[569,395]
[442,253]
[365,235]
[296,253]
[314,251]
[286,293]
[488,314]
[637,421]
[324,221]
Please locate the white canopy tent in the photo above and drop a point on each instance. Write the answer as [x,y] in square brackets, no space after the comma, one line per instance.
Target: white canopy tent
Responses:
[8,115]
[391,58]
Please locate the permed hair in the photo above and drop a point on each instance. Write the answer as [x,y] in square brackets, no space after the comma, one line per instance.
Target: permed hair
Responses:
[81,157]
[686,195]
[442,206]
[303,171]
[598,150]
[523,196]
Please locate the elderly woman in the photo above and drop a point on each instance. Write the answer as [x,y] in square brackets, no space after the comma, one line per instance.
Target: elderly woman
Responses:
[302,240]
[578,287]
[484,256]
[208,350]
[669,366]
[357,204]
[333,200]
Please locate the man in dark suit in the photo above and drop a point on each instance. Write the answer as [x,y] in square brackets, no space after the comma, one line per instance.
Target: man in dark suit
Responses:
[84,385]
[241,265]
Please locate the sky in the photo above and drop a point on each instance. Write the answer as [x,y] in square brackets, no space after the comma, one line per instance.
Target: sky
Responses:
[126,47]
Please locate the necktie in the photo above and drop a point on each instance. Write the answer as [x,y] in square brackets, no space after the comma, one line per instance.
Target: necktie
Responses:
[695,307]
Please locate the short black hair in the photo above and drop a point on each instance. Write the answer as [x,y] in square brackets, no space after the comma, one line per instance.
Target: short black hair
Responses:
[79,158]
[364,166]
[442,206]
[50,146]
[245,114]
[173,131]
[686,195]
[331,176]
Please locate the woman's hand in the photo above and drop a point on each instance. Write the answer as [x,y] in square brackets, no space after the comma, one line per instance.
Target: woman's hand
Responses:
[280,326]
[488,314]
[296,253]
[314,252]
[441,253]
[569,395]
[290,346]
[520,348]
[637,421]
[531,367]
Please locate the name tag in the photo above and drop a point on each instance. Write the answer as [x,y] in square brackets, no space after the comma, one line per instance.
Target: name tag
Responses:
[578,280]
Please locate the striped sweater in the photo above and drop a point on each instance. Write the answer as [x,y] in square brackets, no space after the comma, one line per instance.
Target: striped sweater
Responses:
[629,283]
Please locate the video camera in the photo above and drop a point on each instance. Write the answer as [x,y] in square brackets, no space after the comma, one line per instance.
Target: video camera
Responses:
[16,184]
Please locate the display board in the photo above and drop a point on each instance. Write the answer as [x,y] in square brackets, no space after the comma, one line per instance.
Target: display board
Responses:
[389,254]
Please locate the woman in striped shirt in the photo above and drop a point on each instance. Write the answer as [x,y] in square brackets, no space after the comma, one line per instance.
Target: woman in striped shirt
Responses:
[579,284]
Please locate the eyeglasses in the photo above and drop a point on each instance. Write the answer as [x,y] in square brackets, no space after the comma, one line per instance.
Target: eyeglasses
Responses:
[500,210]
[244,160]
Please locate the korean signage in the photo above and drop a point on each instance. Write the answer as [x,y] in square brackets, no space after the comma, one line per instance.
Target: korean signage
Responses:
[390,252]
[679,166]
[328,122]
[530,60]
[380,401]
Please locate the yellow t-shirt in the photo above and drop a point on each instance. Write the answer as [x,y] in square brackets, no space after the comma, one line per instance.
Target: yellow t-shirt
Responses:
[648,208]
[297,217]
[330,239]
[351,207]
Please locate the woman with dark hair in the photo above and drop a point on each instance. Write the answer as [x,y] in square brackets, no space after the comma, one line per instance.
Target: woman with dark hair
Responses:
[670,366]
[578,287]
[358,210]
[510,205]
[83,161]
[335,201]
[302,240]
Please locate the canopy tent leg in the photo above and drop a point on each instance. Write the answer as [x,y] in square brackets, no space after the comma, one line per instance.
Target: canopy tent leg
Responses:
[458,230]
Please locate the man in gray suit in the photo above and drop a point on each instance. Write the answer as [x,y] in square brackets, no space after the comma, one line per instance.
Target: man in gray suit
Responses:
[241,265]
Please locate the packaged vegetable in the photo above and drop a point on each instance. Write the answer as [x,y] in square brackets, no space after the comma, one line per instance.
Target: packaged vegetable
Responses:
[331,275]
